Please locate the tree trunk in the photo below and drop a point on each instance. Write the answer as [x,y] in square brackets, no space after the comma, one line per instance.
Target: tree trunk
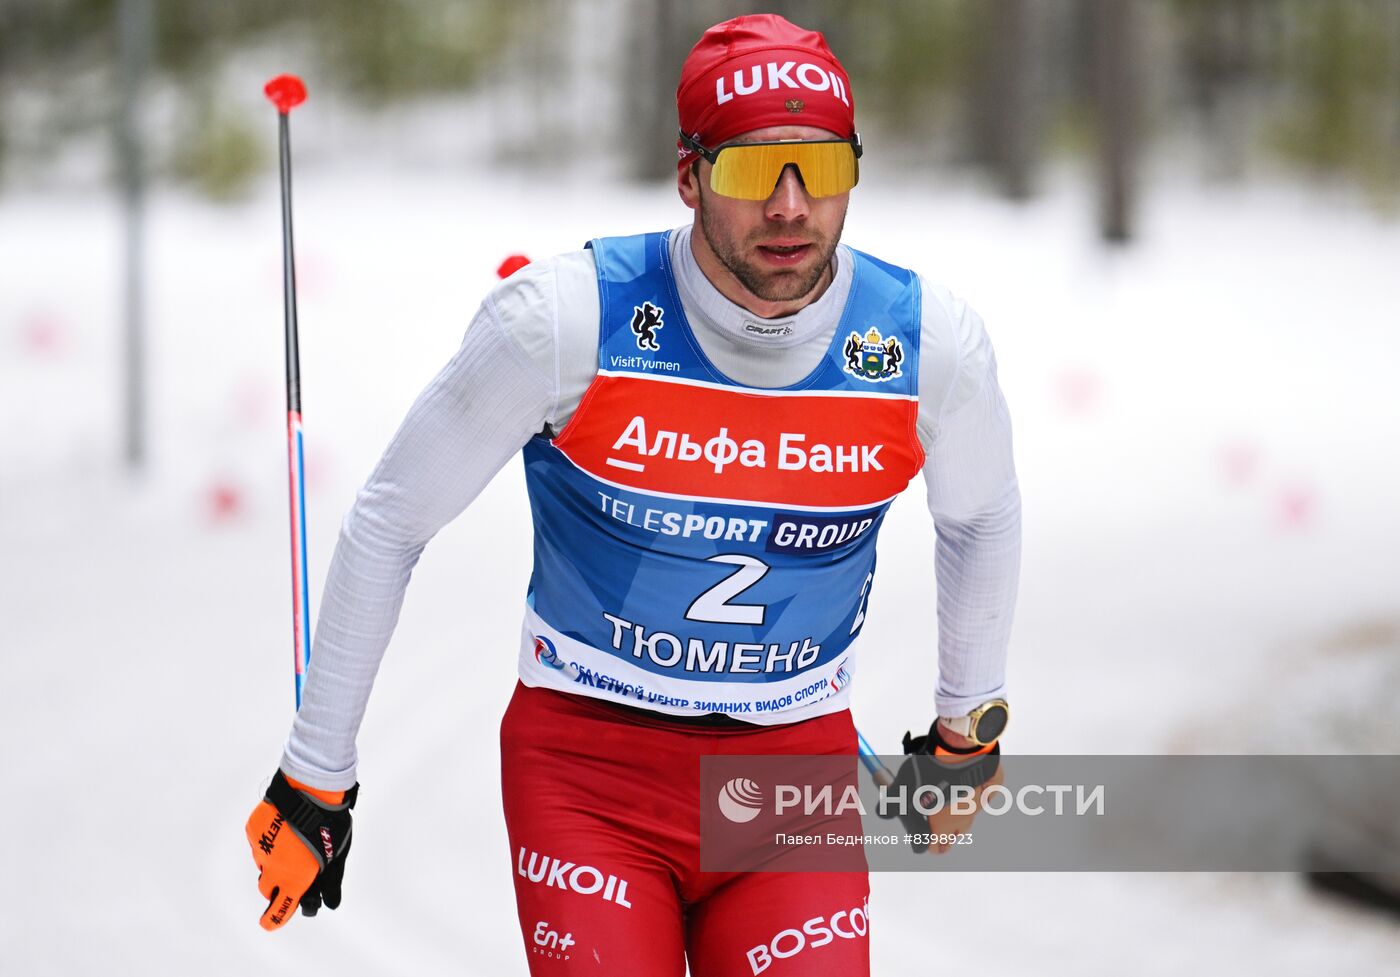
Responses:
[651,67]
[1116,107]
[1003,116]
[134,32]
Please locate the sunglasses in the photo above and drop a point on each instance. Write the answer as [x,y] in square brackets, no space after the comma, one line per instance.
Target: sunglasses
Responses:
[750,170]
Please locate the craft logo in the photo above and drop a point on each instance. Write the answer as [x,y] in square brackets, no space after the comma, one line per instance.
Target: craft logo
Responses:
[646,319]
[759,329]
[873,358]
[740,800]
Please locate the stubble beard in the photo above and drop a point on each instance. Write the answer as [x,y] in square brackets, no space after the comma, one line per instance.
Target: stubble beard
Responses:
[767,284]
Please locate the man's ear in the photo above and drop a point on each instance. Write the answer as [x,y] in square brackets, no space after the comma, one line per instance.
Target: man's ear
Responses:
[688,185]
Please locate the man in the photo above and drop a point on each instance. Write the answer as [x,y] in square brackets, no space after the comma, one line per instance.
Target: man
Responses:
[713,421]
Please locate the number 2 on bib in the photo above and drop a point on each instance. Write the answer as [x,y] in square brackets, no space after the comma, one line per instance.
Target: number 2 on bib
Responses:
[714,604]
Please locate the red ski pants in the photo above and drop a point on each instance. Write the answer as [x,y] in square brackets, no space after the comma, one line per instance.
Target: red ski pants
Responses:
[603,809]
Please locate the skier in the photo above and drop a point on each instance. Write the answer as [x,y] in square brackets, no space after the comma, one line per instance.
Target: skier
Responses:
[714,420]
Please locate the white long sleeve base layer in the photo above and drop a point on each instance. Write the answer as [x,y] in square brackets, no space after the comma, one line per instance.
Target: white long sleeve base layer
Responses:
[529,355]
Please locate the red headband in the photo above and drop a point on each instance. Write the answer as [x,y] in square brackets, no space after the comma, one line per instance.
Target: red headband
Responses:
[758,71]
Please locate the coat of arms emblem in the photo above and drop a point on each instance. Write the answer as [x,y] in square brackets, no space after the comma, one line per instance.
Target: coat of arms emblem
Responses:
[646,319]
[872,357]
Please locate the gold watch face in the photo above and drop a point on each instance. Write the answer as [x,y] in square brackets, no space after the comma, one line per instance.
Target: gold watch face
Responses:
[988,722]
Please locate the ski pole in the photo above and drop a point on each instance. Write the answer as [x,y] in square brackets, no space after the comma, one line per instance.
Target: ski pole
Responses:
[286,92]
[878,771]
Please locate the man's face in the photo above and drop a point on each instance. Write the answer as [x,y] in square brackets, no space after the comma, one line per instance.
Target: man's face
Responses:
[778,248]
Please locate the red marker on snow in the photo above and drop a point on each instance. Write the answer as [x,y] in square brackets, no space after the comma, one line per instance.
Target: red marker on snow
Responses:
[1295,506]
[44,335]
[1078,390]
[223,500]
[1240,461]
[286,92]
[511,265]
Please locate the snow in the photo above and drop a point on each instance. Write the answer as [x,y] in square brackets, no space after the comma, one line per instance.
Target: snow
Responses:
[1206,430]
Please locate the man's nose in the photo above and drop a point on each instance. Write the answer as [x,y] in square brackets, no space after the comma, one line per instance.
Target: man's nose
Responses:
[789,200]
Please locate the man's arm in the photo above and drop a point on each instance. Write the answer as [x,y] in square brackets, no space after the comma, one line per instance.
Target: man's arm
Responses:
[976,506]
[474,416]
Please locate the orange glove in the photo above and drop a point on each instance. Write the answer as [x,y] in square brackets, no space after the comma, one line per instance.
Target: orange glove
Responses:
[300,836]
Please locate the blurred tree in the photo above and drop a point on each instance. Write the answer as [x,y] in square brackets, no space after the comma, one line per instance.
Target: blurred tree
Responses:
[935,81]
[1116,99]
[50,50]
[910,65]
[660,35]
[221,149]
[133,26]
[1220,45]
[47,50]
[1003,126]
[390,50]
[1215,40]
[1340,63]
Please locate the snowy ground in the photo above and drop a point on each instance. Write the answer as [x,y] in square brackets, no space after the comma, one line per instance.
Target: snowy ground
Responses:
[1206,431]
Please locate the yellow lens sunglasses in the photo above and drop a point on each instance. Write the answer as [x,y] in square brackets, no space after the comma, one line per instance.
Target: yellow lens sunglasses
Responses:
[750,170]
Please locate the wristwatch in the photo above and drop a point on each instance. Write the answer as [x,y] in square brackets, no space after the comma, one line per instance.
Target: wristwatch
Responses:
[983,725]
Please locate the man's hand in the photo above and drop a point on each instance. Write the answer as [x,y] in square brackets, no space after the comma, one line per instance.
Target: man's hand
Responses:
[300,836]
[941,761]
[944,822]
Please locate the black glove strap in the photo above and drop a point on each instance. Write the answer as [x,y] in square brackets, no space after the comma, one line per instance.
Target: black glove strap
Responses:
[923,770]
[308,816]
[973,772]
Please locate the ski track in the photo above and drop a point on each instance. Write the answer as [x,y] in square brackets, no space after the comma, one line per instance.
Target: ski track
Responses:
[1199,429]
